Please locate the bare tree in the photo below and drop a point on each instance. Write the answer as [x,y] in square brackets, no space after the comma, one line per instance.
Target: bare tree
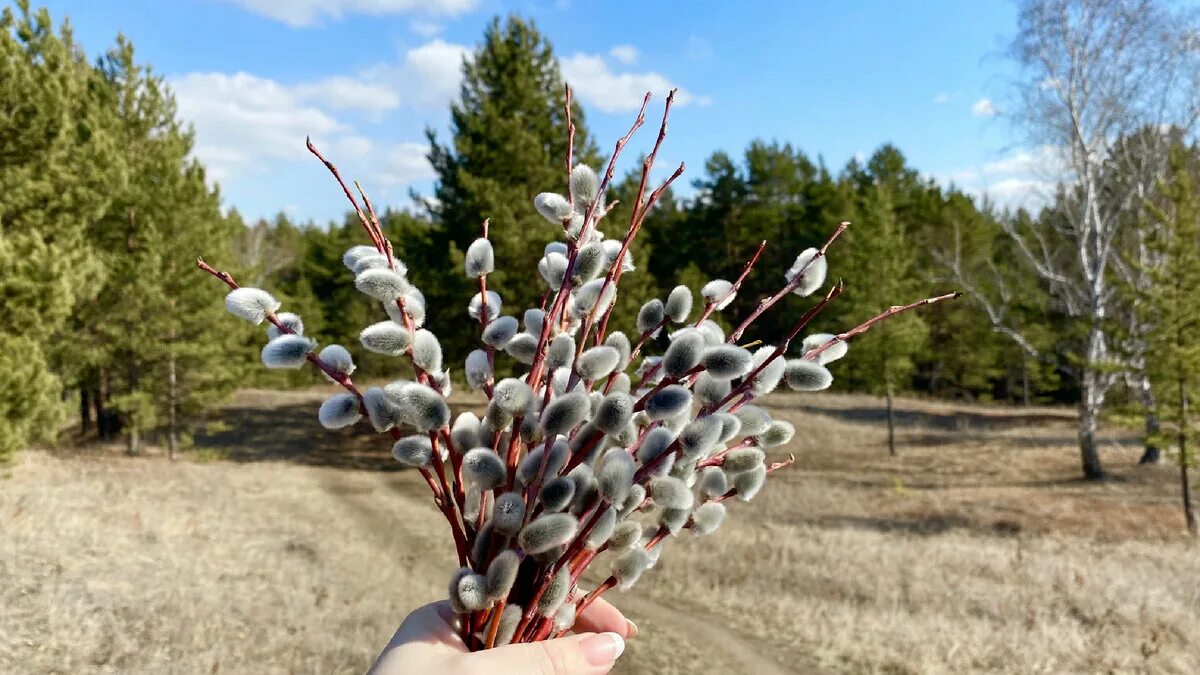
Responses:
[1092,73]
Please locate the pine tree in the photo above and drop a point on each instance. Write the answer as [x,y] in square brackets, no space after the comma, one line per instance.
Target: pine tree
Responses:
[1169,306]
[509,142]
[58,167]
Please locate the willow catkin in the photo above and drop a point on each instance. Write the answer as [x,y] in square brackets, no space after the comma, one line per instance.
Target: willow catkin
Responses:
[533,320]
[713,333]
[619,342]
[673,519]
[657,442]
[768,377]
[478,369]
[414,451]
[731,426]
[522,347]
[480,259]
[587,491]
[595,295]
[553,269]
[556,494]
[555,593]
[699,436]
[684,353]
[597,362]
[502,573]
[386,337]
[423,408]
[564,618]
[508,513]
[812,277]
[613,413]
[382,284]
[465,431]
[291,321]
[713,481]
[637,495]
[483,538]
[710,390]
[748,483]
[548,531]
[621,384]
[475,305]
[500,332]
[779,433]
[650,316]
[671,493]
[718,291]
[806,375]
[602,530]
[836,349]
[553,207]
[679,304]
[512,395]
[287,351]
[564,413]
[370,262]
[585,188]
[628,567]
[510,618]
[472,592]
[725,362]
[668,402]
[355,253]
[383,413]
[616,475]
[426,350]
[561,352]
[589,262]
[625,535]
[708,517]
[557,459]
[455,597]
[483,468]
[251,304]
[754,420]
[339,411]
[743,459]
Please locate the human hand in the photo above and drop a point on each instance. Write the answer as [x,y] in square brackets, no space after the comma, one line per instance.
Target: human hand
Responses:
[428,643]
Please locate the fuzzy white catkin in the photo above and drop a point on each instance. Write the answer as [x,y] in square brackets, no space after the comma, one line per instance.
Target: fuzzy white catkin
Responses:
[597,362]
[424,407]
[553,207]
[748,483]
[291,321]
[779,433]
[614,413]
[560,353]
[836,350]
[621,383]
[811,278]
[629,566]
[510,618]
[743,459]
[415,451]
[477,369]
[383,413]
[339,411]
[602,530]
[585,187]
[370,262]
[725,362]
[564,618]
[556,494]
[426,351]
[712,331]
[382,284]
[713,482]
[684,353]
[500,332]
[564,413]
[472,592]
[555,247]
[616,475]
[805,375]
[287,351]
[699,436]
[768,378]
[731,426]
[475,305]
[625,535]
[533,320]
[465,432]
[718,291]
[553,268]
[612,249]
[589,263]
[618,341]
[456,603]
[523,348]
[708,517]
[710,390]
[548,531]
[668,402]
[673,519]
[671,493]
[679,304]
[508,512]
[385,337]
[555,593]
[595,295]
[483,468]
[337,358]
[502,573]
[650,316]
[528,468]
[355,253]
[251,304]
[480,259]
[513,395]
[754,420]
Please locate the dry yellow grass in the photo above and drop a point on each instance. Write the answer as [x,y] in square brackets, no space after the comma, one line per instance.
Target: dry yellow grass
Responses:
[974,550]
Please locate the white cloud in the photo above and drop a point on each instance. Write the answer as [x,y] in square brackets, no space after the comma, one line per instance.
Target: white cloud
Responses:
[624,54]
[348,93]
[1025,177]
[983,108]
[425,28]
[436,68]
[299,13]
[611,92]
[942,98]
[402,164]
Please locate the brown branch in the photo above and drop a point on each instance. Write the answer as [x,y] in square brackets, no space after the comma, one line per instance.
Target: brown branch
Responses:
[863,327]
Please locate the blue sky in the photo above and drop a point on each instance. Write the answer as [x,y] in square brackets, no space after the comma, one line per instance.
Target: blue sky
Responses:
[364,77]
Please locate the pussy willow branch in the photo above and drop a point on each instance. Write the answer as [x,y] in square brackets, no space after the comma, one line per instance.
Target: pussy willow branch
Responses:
[441,497]
[737,284]
[767,303]
[376,236]
[570,148]
[863,327]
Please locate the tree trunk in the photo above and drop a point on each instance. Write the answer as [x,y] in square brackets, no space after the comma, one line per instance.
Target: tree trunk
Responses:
[172,405]
[133,441]
[891,423]
[1189,516]
[85,410]
[1151,454]
[1089,413]
[1025,380]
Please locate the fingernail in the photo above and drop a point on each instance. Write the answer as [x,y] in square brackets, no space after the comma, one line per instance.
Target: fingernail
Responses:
[631,629]
[602,649]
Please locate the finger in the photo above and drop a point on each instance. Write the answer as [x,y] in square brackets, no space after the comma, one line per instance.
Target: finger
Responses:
[601,617]
[587,654]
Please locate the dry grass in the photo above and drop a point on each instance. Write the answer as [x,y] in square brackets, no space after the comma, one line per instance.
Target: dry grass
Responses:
[975,550]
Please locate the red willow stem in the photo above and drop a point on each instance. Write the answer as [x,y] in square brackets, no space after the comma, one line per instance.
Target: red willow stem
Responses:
[376,237]
[600,590]
[570,150]
[767,303]
[863,327]
[712,306]
[718,459]
[771,468]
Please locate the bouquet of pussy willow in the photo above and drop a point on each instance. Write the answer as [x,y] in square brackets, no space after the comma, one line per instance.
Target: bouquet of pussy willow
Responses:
[597,453]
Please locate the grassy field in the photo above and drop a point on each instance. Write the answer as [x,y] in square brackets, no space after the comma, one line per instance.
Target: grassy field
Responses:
[281,548]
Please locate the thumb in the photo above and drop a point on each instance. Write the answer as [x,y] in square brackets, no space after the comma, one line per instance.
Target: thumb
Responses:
[586,654]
